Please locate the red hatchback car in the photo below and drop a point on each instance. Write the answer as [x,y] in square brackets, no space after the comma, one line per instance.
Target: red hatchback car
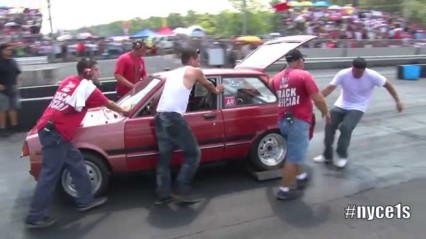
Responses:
[239,124]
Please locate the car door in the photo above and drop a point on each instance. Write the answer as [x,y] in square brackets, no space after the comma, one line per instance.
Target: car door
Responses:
[139,134]
[206,121]
[249,109]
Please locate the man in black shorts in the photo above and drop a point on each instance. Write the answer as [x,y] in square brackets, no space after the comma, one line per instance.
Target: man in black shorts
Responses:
[9,95]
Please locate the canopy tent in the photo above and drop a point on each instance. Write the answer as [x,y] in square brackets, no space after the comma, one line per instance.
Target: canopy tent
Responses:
[180,30]
[195,31]
[143,34]
[165,31]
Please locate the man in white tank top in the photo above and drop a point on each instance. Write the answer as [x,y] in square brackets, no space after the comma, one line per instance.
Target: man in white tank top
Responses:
[358,83]
[174,132]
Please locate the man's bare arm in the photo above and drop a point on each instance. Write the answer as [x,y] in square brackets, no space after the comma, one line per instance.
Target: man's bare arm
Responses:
[201,78]
[389,87]
[320,103]
[114,107]
[328,90]
[123,80]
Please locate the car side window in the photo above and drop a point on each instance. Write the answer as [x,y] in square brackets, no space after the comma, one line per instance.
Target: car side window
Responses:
[249,90]
[201,99]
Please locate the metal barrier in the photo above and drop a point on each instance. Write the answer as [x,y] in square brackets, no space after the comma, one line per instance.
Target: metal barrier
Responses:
[368,58]
[32,60]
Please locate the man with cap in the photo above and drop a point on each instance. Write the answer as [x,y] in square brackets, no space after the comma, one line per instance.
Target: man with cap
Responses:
[130,68]
[57,128]
[357,84]
[297,91]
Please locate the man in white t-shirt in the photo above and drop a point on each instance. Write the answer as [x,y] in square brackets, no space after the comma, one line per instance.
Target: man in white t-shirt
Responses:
[357,85]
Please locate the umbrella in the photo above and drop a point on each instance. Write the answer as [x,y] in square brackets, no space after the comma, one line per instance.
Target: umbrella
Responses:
[334,7]
[306,4]
[294,4]
[249,39]
[321,4]
[348,11]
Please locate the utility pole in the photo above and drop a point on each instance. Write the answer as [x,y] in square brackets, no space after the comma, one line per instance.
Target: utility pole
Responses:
[245,17]
[50,18]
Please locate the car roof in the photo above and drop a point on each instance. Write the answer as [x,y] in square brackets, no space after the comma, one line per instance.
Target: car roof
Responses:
[221,71]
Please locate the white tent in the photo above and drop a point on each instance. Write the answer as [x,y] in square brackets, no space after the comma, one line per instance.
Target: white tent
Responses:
[180,30]
[195,31]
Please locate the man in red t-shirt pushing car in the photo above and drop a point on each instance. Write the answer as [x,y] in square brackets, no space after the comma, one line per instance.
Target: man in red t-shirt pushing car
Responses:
[56,130]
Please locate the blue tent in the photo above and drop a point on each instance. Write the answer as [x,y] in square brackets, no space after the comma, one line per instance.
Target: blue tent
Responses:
[143,34]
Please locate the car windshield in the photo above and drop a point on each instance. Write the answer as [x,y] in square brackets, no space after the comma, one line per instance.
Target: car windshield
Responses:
[133,97]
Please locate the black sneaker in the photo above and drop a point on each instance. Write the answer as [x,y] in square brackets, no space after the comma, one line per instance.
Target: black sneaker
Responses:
[185,198]
[163,200]
[96,203]
[45,222]
[291,194]
[302,183]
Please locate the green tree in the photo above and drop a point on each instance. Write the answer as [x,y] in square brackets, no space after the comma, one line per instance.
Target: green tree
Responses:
[260,20]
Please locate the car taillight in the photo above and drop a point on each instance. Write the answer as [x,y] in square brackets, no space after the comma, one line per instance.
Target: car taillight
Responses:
[25,151]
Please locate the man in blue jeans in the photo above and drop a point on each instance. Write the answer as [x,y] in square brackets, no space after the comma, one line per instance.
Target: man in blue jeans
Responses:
[56,130]
[296,89]
[174,132]
[358,83]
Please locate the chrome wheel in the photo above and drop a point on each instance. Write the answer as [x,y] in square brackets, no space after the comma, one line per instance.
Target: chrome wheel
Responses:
[271,150]
[95,177]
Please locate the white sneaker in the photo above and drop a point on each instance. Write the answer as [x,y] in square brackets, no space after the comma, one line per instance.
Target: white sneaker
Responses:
[319,159]
[340,163]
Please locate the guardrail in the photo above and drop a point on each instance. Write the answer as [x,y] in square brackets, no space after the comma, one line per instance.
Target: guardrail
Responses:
[32,60]
[350,59]
[343,62]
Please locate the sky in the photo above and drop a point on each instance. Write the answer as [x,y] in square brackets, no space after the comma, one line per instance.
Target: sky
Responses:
[73,14]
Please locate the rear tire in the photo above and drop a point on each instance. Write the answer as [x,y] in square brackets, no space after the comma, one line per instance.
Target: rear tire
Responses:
[98,173]
[268,152]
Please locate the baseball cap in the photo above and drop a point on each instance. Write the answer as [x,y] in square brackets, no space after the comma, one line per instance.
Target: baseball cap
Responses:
[294,55]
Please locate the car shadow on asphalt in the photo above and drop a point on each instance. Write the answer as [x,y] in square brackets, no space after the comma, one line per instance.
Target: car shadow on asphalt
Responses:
[137,191]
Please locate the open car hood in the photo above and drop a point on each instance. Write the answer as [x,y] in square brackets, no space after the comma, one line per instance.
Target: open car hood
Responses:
[271,51]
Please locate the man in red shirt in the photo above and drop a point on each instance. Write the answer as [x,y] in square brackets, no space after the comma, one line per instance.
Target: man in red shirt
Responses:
[130,68]
[56,130]
[296,90]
